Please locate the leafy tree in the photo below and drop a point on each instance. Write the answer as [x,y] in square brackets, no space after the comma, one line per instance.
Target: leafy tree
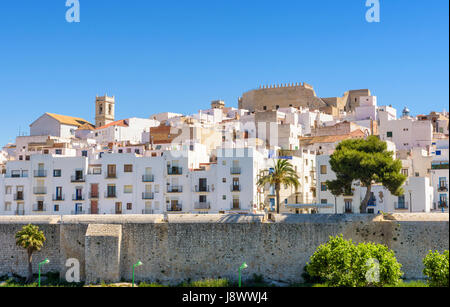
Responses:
[437,269]
[283,173]
[368,161]
[340,263]
[32,239]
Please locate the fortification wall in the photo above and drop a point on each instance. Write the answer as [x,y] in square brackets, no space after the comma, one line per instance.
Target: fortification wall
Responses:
[212,246]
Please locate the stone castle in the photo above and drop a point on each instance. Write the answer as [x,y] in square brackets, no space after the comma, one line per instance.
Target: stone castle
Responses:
[298,95]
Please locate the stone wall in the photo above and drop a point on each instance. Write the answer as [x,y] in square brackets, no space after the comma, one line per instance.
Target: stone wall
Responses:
[211,246]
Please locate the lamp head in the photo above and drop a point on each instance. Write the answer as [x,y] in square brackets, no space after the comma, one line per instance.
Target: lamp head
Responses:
[139,263]
[45,261]
[244,266]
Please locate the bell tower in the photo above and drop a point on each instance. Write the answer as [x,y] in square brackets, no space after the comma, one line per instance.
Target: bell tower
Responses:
[104,110]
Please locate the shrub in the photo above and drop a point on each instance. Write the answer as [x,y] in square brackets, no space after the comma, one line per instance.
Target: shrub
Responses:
[340,263]
[437,269]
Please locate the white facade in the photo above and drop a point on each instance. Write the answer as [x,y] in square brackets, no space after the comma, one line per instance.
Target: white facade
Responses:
[407,133]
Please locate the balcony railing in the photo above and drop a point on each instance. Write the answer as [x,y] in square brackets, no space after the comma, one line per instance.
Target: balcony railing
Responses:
[148,195]
[235,171]
[93,211]
[202,188]
[443,204]
[40,190]
[235,188]
[175,170]
[202,205]
[78,197]
[174,207]
[372,203]
[111,194]
[111,176]
[401,205]
[93,195]
[443,188]
[174,189]
[39,208]
[40,173]
[147,211]
[16,176]
[19,212]
[58,197]
[76,178]
[19,196]
[148,178]
[235,205]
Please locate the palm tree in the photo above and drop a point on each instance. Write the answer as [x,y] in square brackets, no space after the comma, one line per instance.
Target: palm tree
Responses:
[31,239]
[283,173]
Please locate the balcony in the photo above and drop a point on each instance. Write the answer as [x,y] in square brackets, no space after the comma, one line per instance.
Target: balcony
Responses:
[39,208]
[111,194]
[348,210]
[235,188]
[174,207]
[401,205]
[147,211]
[19,212]
[18,196]
[202,205]
[443,204]
[76,197]
[235,171]
[372,203]
[40,190]
[40,174]
[58,197]
[148,195]
[443,187]
[175,189]
[202,188]
[93,195]
[93,211]
[148,178]
[76,178]
[235,205]
[111,176]
[23,175]
[174,170]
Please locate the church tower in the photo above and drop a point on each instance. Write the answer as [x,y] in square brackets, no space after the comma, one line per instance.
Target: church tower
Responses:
[104,110]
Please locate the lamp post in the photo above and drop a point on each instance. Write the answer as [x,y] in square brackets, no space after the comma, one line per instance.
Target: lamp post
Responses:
[243,266]
[410,201]
[39,268]
[139,263]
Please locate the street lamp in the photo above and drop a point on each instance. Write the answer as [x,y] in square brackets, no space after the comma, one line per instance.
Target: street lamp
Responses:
[243,266]
[410,201]
[39,267]
[139,263]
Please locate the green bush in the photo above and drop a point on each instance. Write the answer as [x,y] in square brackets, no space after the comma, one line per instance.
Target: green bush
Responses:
[340,263]
[436,269]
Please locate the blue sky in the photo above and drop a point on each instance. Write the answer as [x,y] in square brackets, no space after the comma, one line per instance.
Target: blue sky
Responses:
[177,56]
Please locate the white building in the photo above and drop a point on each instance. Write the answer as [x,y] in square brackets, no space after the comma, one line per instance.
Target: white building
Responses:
[51,124]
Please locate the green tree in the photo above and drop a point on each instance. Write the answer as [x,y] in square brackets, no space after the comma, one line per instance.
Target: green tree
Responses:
[437,269]
[32,239]
[283,173]
[341,263]
[368,161]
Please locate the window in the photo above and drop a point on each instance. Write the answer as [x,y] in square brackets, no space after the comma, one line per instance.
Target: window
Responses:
[224,162]
[128,189]
[27,158]
[57,173]
[8,190]
[84,153]
[323,169]
[324,201]
[224,180]
[56,208]
[389,134]
[7,206]
[128,168]
[405,172]
[129,206]
[58,151]
[265,108]
[323,187]
[96,170]
[224,197]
